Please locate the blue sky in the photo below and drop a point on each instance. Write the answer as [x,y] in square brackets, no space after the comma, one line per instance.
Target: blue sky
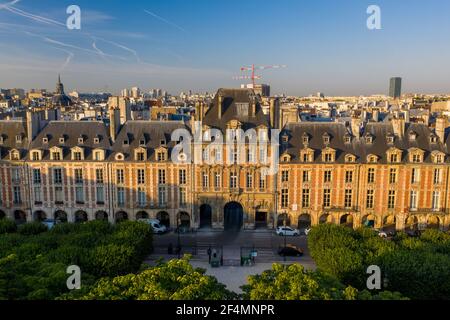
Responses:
[201,44]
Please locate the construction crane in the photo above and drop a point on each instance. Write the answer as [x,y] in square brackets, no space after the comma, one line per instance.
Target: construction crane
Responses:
[253,68]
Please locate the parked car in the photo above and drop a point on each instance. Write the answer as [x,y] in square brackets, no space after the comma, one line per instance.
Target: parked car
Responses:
[290,250]
[156,225]
[50,223]
[381,233]
[287,231]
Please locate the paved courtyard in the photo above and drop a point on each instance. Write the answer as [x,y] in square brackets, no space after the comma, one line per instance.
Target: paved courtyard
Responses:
[266,242]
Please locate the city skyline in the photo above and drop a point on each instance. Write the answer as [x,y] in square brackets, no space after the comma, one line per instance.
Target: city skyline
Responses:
[200,46]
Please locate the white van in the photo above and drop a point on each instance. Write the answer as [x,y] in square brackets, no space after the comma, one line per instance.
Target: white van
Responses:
[155,224]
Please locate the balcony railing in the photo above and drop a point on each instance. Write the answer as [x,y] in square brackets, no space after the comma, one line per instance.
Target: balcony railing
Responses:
[426,210]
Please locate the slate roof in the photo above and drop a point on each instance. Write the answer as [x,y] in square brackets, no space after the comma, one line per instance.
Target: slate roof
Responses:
[152,132]
[358,147]
[9,129]
[230,112]
[71,131]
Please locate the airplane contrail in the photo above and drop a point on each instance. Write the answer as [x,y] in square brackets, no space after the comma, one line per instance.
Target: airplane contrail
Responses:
[165,21]
[70,55]
[33,16]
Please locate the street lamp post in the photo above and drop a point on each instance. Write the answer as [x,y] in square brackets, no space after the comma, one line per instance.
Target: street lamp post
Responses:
[284,231]
[179,240]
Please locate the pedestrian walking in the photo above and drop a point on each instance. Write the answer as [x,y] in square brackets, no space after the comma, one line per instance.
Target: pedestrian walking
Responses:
[209,255]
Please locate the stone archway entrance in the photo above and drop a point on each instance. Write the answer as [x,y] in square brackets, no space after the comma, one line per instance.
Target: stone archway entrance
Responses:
[164,218]
[205,216]
[304,221]
[346,220]
[233,216]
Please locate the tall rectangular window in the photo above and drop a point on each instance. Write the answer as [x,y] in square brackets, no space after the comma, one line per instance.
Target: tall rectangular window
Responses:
[306,176]
[120,176]
[161,176]
[327,176]
[436,200]
[17,195]
[78,173]
[217,180]
[120,196]
[57,176]
[205,180]
[249,181]
[284,176]
[348,176]
[413,200]
[79,194]
[392,175]
[369,199]
[162,196]
[182,176]
[59,196]
[182,197]
[437,176]
[326,198]
[233,180]
[284,198]
[37,176]
[371,175]
[37,194]
[262,181]
[305,198]
[391,199]
[415,175]
[99,176]
[141,176]
[142,198]
[15,175]
[348,203]
[100,194]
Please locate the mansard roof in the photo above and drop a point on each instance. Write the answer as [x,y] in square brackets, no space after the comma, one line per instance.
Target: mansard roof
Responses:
[71,131]
[9,129]
[230,99]
[358,145]
[154,132]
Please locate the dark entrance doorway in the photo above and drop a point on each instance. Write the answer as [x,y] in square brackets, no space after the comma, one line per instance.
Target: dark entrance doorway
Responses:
[205,216]
[233,216]
[260,219]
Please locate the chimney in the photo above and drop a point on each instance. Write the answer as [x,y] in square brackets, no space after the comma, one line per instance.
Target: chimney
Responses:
[398,125]
[114,123]
[219,106]
[441,125]
[274,111]
[356,126]
[376,115]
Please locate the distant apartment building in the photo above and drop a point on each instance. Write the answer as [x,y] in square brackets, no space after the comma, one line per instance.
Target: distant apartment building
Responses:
[395,87]
[123,105]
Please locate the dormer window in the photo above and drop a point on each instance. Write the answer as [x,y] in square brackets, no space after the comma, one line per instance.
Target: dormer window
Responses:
[126,142]
[412,136]
[307,155]
[55,155]
[62,140]
[15,155]
[349,158]
[99,155]
[119,157]
[77,154]
[19,138]
[161,156]
[140,155]
[162,142]
[372,159]
[368,138]
[1,139]
[390,139]
[80,140]
[285,138]
[35,156]
[96,140]
[433,139]
[305,139]
[438,157]
[142,142]
[45,140]
[347,138]
[326,138]
[285,158]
